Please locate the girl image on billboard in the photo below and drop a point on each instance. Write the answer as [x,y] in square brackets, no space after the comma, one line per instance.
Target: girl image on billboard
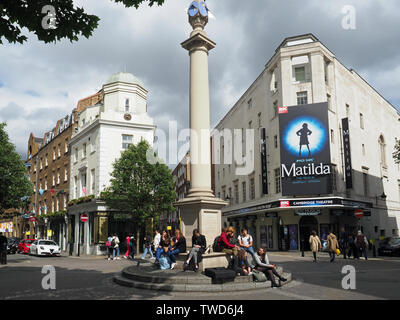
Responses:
[303,133]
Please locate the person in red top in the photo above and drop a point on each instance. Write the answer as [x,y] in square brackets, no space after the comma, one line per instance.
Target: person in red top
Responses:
[225,238]
[128,251]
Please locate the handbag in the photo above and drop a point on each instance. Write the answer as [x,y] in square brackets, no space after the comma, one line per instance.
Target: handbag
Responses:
[259,276]
[338,252]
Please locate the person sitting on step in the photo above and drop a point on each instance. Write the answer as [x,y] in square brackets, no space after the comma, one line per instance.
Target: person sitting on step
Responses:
[263,265]
[199,247]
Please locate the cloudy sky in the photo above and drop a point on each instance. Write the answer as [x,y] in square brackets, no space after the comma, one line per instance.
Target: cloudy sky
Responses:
[40,83]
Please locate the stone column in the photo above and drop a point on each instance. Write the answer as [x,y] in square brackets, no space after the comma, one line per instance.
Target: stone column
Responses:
[200,209]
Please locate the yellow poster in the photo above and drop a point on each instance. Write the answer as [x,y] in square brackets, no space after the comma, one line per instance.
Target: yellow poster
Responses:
[49,233]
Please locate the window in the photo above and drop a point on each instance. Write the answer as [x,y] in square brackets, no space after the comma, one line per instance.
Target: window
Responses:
[59,150]
[277,180]
[41,163]
[332,136]
[54,178]
[76,187]
[365,182]
[40,184]
[45,183]
[250,104]
[66,145]
[275,108]
[334,177]
[47,160]
[361,121]
[83,190]
[236,188]
[382,147]
[127,140]
[66,173]
[76,155]
[276,141]
[252,189]
[126,105]
[54,153]
[302,98]
[244,191]
[223,193]
[58,176]
[363,149]
[223,172]
[230,196]
[347,110]
[93,181]
[259,119]
[93,145]
[300,74]
[84,150]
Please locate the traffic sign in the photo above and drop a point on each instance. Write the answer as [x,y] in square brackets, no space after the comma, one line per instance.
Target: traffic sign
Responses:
[358,213]
[84,217]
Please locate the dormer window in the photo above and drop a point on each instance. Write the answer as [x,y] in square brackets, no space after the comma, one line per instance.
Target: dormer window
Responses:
[127,105]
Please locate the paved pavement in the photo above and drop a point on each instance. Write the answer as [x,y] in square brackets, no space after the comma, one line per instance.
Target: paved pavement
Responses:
[91,278]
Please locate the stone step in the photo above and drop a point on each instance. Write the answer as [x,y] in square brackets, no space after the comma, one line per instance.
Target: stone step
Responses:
[189,287]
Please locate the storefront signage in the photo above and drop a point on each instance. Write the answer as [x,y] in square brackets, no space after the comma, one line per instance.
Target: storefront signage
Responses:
[264,169]
[347,154]
[305,150]
[307,212]
[6,227]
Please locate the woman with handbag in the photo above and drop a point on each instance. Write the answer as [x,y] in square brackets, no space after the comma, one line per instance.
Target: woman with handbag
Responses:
[333,245]
[263,265]
[315,244]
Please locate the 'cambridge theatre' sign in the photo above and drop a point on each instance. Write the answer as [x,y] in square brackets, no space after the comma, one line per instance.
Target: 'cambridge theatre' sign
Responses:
[305,150]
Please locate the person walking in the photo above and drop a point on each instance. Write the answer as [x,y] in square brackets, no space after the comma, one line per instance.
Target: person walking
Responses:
[351,246]
[147,247]
[199,245]
[361,245]
[263,265]
[3,249]
[156,240]
[128,248]
[132,246]
[115,245]
[109,247]
[246,242]
[343,242]
[333,245]
[315,244]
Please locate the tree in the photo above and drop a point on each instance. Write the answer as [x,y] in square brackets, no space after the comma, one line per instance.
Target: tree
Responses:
[396,153]
[14,184]
[51,20]
[138,187]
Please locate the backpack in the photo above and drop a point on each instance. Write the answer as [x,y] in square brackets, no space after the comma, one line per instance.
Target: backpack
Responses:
[113,243]
[259,276]
[216,245]
[165,262]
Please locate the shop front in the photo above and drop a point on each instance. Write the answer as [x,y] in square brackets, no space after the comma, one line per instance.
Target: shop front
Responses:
[287,224]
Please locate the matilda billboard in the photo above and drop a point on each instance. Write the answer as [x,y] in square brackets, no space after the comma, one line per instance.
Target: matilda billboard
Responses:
[305,149]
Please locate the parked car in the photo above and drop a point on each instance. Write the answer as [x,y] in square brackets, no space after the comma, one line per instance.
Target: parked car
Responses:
[12,245]
[43,247]
[23,246]
[390,247]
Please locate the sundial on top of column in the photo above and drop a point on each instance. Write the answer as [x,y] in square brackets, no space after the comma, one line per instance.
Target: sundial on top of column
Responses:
[198,14]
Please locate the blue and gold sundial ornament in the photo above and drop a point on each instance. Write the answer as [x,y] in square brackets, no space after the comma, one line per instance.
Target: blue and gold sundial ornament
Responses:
[198,7]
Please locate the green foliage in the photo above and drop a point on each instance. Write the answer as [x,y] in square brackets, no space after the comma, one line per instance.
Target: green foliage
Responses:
[13,182]
[396,153]
[142,189]
[71,21]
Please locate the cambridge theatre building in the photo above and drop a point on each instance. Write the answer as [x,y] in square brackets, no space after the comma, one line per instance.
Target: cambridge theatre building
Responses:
[323,144]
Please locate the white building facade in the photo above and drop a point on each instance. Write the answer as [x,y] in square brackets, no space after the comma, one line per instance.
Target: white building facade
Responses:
[104,131]
[303,71]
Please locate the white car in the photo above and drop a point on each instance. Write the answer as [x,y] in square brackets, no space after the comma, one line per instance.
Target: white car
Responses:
[43,247]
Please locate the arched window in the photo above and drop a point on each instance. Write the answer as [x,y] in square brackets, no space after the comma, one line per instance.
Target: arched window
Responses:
[382,148]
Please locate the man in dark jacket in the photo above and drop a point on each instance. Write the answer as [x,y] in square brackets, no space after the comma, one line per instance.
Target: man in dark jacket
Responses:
[179,246]
[3,249]
[343,242]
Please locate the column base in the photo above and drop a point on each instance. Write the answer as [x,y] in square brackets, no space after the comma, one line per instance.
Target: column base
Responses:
[203,213]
